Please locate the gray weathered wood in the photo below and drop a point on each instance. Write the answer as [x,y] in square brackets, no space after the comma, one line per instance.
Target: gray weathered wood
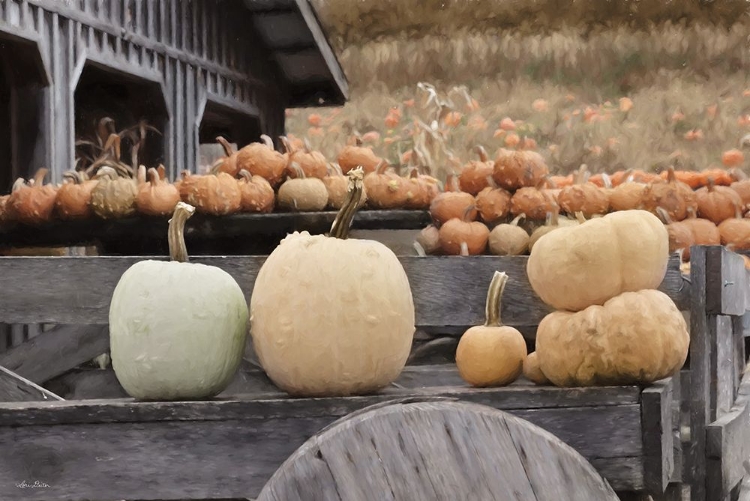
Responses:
[700,377]
[728,446]
[225,449]
[740,355]
[435,450]
[14,388]
[722,364]
[56,351]
[728,290]
[656,415]
[449,292]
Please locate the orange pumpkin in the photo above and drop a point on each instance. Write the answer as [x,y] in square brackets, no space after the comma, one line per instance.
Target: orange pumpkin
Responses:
[717,203]
[475,174]
[674,196]
[584,196]
[453,204]
[519,169]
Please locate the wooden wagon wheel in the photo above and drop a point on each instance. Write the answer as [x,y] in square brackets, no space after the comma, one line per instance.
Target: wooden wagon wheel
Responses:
[430,451]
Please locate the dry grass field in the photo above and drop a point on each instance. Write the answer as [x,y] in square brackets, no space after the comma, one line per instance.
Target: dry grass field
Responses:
[610,84]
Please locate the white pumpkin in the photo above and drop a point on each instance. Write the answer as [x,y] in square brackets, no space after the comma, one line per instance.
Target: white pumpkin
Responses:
[177,329]
[331,316]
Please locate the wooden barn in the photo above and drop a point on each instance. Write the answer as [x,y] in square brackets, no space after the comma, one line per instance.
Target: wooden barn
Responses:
[192,69]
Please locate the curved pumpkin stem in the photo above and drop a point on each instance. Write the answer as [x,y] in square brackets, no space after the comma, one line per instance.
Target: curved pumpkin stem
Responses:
[73,176]
[142,174]
[162,172]
[153,177]
[481,152]
[228,149]
[176,232]
[245,176]
[297,170]
[493,306]
[343,221]
[287,144]
[518,219]
[663,215]
[40,175]
[267,141]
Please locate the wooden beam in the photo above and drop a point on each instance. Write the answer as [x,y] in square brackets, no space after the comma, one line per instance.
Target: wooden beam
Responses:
[56,351]
[229,449]
[728,286]
[656,415]
[728,446]
[449,292]
[14,388]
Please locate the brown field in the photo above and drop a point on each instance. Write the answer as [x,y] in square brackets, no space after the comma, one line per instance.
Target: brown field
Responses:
[687,79]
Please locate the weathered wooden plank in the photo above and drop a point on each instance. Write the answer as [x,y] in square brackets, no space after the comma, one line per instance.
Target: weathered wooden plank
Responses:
[201,227]
[740,357]
[656,416]
[14,388]
[86,384]
[234,455]
[435,450]
[519,396]
[728,287]
[728,446]
[700,377]
[722,364]
[57,351]
[449,292]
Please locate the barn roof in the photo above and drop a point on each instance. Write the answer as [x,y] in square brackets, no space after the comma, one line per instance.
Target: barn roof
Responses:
[292,33]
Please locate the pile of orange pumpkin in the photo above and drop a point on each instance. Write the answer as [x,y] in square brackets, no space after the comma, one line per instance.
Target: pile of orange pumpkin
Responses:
[504,206]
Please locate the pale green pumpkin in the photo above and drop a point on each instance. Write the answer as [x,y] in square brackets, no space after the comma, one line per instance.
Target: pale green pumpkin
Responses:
[177,329]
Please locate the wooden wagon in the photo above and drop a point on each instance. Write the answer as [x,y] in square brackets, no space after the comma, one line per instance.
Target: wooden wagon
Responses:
[690,432]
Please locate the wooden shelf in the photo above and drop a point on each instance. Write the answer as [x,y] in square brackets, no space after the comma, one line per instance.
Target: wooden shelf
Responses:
[204,234]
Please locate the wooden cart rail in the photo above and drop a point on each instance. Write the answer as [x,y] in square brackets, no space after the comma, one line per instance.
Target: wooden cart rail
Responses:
[637,438]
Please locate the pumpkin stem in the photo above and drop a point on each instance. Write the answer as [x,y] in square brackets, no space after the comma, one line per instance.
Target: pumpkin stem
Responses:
[141,174]
[176,232]
[308,146]
[107,172]
[20,183]
[607,180]
[73,176]
[336,169]
[39,176]
[294,166]
[464,249]
[481,152]
[491,182]
[246,175]
[517,219]
[465,217]
[287,144]
[343,221]
[381,167]
[738,174]
[162,172]
[580,217]
[153,177]
[451,183]
[628,176]
[691,213]
[493,305]
[267,141]
[420,250]
[228,149]
[671,176]
[663,215]
[711,184]
[582,174]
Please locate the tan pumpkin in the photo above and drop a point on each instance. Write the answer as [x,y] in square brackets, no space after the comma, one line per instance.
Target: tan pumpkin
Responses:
[385,189]
[516,169]
[464,236]
[583,196]
[262,159]
[674,196]
[113,196]
[491,354]
[32,202]
[453,204]
[214,194]
[532,371]
[304,194]
[633,338]
[575,267]
[73,199]
[428,241]
[741,185]
[256,194]
[509,239]
[688,232]
[493,204]
[475,174]
[717,203]
[312,163]
[354,155]
[157,196]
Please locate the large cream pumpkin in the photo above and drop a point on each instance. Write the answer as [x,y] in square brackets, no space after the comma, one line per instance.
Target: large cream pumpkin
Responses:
[574,267]
[636,337]
[177,329]
[332,316]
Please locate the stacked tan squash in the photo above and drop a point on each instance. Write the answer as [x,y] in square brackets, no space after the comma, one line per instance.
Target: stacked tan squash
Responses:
[611,326]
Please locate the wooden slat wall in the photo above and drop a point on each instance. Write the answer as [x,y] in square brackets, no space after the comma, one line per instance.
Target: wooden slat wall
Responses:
[195,50]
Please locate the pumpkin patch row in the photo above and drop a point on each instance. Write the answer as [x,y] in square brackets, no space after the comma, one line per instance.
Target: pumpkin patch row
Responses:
[504,206]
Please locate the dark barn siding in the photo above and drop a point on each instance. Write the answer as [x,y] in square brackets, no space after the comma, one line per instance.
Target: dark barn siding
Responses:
[196,52]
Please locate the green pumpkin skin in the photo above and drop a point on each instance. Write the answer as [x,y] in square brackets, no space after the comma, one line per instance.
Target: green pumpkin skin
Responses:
[177,330]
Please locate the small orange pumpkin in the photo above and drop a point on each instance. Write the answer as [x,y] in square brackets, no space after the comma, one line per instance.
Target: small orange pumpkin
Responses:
[463,236]
[453,204]
[519,169]
[474,175]
[717,203]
